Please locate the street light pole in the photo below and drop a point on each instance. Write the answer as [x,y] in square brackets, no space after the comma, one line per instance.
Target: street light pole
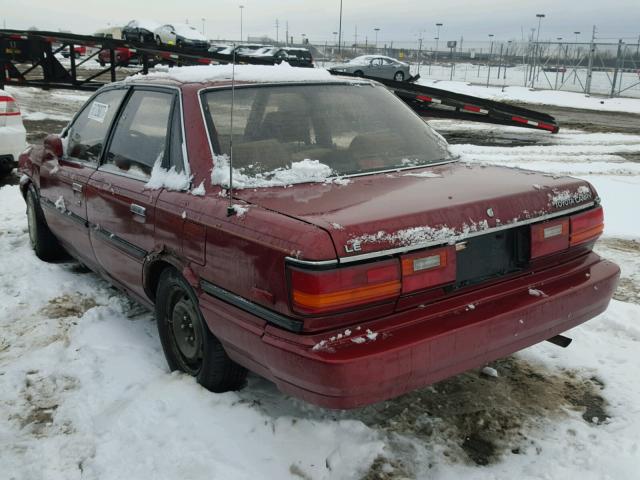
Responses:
[241,9]
[537,49]
[575,70]
[203,20]
[438,25]
[340,31]
[489,61]
[376,30]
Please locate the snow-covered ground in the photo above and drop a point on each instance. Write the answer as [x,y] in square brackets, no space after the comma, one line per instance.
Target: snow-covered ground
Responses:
[537,96]
[85,391]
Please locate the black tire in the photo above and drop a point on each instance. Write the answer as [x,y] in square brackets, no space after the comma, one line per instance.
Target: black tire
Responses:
[44,243]
[359,73]
[102,64]
[399,77]
[189,345]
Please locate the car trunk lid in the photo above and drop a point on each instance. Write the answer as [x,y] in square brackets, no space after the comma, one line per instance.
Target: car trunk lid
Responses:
[415,208]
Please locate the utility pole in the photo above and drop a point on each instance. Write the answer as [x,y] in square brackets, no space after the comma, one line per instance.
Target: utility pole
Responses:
[241,9]
[376,29]
[355,45]
[592,51]
[419,51]
[277,31]
[203,20]
[340,32]
[286,38]
[615,72]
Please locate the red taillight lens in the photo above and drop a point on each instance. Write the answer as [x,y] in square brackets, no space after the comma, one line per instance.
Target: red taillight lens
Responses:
[8,106]
[428,269]
[587,226]
[331,290]
[549,237]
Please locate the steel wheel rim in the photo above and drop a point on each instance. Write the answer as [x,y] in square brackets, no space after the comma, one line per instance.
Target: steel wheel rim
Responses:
[186,333]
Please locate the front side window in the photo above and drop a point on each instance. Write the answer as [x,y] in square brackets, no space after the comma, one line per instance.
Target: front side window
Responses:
[140,136]
[85,137]
[350,128]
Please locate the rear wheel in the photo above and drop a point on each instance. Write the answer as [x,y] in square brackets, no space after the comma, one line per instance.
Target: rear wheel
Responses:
[359,73]
[399,77]
[44,243]
[187,342]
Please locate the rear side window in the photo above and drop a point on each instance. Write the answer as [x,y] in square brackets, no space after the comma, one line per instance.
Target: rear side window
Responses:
[140,136]
[87,134]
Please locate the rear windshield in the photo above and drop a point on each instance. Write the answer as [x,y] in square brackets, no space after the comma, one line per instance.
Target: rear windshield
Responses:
[350,128]
[299,53]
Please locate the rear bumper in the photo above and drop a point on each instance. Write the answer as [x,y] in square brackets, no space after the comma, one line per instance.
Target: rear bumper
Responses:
[419,346]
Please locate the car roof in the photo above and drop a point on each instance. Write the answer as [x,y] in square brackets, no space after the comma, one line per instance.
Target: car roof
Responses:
[244,74]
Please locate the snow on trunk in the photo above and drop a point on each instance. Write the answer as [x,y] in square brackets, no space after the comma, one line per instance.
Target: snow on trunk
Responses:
[304,171]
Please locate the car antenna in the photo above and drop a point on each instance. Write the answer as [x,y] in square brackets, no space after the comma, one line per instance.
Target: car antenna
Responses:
[230,209]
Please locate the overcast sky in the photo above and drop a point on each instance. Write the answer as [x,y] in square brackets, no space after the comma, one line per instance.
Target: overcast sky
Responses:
[400,21]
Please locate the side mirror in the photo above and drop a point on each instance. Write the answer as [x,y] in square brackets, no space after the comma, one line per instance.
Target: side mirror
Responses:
[53,147]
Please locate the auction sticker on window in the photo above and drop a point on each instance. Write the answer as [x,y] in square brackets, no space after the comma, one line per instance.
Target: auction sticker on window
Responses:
[98,111]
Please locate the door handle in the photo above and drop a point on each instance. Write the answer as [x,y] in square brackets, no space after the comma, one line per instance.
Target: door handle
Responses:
[76,187]
[138,210]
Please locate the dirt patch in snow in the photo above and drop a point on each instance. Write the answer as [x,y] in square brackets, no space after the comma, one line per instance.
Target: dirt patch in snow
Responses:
[478,418]
[627,251]
[42,397]
[68,306]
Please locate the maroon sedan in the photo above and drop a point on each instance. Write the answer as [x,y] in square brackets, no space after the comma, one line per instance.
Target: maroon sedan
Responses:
[353,260]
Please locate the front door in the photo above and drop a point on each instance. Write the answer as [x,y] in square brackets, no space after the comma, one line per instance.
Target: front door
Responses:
[63,180]
[120,199]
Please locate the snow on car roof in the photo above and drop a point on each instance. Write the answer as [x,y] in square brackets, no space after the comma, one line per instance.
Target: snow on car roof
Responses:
[367,58]
[243,73]
[188,31]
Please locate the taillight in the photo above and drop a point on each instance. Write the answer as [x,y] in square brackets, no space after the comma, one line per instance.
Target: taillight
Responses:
[330,290]
[587,226]
[549,237]
[8,106]
[428,269]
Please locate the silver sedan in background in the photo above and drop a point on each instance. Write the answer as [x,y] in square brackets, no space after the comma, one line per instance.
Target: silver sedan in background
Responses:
[375,66]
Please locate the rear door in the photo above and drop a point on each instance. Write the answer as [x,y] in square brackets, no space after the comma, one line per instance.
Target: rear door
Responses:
[388,69]
[63,181]
[120,205]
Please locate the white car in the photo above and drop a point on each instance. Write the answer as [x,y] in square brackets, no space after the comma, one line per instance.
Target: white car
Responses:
[12,133]
[181,35]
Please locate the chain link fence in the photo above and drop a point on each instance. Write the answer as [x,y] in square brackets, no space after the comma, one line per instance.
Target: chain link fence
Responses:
[601,68]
